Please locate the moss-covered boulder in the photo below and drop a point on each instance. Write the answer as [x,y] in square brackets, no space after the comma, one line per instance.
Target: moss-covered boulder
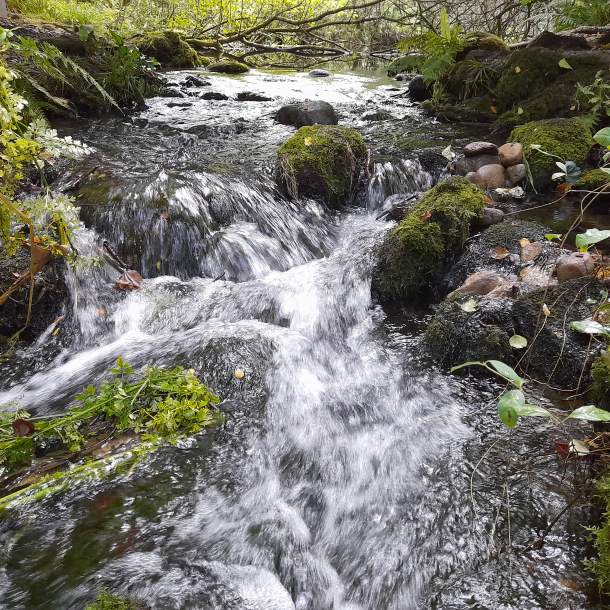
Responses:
[568,139]
[593,180]
[482,43]
[169,48]
[228,67]
[415,252]
[323,162]
[534,86]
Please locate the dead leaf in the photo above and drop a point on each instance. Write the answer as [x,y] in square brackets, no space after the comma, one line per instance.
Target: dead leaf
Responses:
[426,216]
[130,280]
[23,427]
[239,374]
[517,69]
[523,242]
[494,109]
[563,187]
[545,310]
[499,253]
[307,141]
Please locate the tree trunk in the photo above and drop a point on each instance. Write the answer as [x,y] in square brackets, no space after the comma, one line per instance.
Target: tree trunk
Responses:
[3,11]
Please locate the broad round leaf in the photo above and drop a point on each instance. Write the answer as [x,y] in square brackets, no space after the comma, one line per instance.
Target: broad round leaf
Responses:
[590,413]
[508,405]
[507,372]
[591,237]
[588,327]
[603,136]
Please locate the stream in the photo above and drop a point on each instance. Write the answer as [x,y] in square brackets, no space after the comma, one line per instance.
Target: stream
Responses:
[350,473]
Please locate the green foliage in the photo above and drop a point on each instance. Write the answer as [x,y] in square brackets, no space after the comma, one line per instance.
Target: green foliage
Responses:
[105,601]
[169,48]
[595,98]
[160,403]
[546,141]
[590,237]
[601,539]
[433,231]
[574,13]
[439,49]
[593,180]
[322,161]
[68,12]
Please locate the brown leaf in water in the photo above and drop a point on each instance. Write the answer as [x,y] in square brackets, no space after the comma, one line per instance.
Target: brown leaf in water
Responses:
[130,280]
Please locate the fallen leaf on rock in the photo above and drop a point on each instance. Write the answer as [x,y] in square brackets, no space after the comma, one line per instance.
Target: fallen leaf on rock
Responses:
[563,188]
[500,253]
[494,109]
[518,342]
[239,374]
[545,310]
[469,306]
[130,280]
[23,427]
[524,242]
[426,216]
[517,69]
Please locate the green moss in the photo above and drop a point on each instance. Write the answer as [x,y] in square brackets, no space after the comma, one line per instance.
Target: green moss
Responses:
[599,392]
[407,63]
[105,601]
[482,41]
[228,67]
[322,162]
[568,139]
[169,49]
[594,179]
[473,110]
[601,538]
[415,252]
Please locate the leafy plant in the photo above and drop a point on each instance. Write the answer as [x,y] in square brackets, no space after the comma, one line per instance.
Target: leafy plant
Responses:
[595,98]
[439,49]
[160,403]
[573,13]
[513,404]
[590,237]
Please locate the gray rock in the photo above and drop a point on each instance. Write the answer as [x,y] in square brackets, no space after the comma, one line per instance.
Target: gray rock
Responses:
[549,40]
[419,90]
[305,113]
[249,96]
[516,174]
[214,95]
[377,115]
[319,73]
[474,149]
[493,176]
[464,165]
[491,216]
[195,81]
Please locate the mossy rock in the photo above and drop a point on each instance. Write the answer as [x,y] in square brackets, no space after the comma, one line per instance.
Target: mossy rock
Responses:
[455,336]
[323,162]
[482,41]
[105,601]
[533,85]
[601,538]
[599,393]
[415,252]
[473,110]
[593,179]
[559,356]
[568,139]
[228,67]
[406,63]
[169,48]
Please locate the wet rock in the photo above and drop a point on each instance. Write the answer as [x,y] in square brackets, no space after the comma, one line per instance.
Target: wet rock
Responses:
[319,73]
[214,95]
[516,174]
[249,96]
[564,42]
[465,165]
[323,162]
[508,194]
[170,92]
[474,149]
[377,115]
[169,48]
[574,265]
[510,154]
[179,104]
[228,67]
[195,81]
[432,161]
[490,216]
[530,251]
[419,90]
[479,283]
[396,207]
[475,179]
[492,175]
[414,254]
[306,113]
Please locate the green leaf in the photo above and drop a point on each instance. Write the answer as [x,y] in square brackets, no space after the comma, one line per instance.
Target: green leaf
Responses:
[527,410]
[602,137]
[563,63]
[465,364]
[552,236]
[507,372]
[518,342]
[590,413]
[508,404]
[589,327]
[591,237]
[469,306]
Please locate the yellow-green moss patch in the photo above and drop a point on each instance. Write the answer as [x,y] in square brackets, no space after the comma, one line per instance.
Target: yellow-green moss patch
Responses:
[593,179]
[415,252]
[228,67]
[567,139]
[323,162]
[169,49]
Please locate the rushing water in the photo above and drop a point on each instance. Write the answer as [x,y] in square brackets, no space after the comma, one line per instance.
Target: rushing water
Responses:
[341,479]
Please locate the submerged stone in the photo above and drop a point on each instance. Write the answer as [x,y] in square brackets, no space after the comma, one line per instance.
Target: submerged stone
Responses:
[309,112]
[229,67]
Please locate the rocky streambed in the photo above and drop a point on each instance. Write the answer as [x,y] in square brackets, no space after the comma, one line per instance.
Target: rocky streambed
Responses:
[352,470]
